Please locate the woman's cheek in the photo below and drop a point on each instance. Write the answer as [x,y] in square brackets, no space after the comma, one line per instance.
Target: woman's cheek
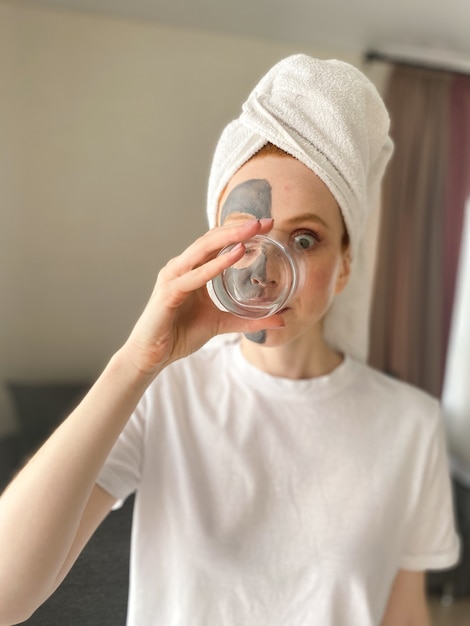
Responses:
[321,278]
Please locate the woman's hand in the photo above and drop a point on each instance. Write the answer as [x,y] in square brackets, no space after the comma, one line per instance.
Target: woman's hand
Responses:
[180,317]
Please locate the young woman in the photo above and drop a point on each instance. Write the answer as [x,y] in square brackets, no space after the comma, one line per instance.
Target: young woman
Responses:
[278,479]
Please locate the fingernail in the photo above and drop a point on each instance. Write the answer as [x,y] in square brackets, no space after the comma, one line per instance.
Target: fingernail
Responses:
[236,247]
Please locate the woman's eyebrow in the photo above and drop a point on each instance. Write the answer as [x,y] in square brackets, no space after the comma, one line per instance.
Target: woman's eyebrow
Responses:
[305,217]
[290,221]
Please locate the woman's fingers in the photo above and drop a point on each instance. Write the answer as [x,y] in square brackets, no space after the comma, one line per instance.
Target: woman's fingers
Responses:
[199,276]
[207,246]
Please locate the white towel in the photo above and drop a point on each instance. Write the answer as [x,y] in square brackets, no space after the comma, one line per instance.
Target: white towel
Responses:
[329,116]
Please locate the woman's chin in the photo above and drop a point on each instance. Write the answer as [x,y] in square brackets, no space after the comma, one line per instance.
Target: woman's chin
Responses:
[268,338]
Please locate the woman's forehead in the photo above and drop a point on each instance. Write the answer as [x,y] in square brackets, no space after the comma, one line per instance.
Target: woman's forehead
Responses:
[274,183]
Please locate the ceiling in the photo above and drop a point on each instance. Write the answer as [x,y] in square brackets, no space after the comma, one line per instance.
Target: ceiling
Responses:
[443,26]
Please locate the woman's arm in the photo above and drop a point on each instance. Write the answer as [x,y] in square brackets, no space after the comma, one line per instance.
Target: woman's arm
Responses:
[407,605]
[50,509]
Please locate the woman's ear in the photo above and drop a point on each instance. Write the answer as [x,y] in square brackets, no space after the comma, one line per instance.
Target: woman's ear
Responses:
[344,271]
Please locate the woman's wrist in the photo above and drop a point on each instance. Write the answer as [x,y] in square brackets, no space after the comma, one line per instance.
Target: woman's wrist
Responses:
[134,366]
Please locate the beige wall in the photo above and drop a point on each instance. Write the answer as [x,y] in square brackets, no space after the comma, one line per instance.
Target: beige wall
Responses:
[106,130]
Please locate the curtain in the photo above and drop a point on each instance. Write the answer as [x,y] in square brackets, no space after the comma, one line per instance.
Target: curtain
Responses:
[424,195]
[407,315]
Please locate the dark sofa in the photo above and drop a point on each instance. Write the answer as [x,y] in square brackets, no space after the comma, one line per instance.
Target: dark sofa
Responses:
[95,591]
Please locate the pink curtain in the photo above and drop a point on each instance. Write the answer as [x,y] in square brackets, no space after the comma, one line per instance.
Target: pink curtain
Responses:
[421,225]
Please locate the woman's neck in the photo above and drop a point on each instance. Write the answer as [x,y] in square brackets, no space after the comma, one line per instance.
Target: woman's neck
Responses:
[297,359]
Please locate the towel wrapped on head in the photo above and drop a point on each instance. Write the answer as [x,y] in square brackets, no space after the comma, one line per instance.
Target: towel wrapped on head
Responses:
[329,116]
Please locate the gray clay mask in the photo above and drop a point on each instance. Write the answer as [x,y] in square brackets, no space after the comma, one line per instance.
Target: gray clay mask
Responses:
[252,197]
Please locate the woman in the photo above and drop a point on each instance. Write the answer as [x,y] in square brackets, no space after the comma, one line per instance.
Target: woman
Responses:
[278,479]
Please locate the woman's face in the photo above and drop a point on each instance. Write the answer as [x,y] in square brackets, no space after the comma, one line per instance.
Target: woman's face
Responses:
[307,217]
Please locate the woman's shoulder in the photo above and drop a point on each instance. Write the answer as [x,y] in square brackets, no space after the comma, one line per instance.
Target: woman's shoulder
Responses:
[387,388]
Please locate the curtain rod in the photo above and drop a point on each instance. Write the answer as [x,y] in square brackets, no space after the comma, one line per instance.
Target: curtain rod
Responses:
[440,60]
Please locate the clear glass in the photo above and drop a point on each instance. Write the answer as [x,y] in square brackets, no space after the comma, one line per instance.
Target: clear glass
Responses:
[261,283]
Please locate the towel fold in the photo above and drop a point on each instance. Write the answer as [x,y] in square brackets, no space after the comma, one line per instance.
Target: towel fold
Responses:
[329,116]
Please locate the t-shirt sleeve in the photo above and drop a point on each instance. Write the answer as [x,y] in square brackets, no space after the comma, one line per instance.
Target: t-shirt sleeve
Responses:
[121,472]
[433,542]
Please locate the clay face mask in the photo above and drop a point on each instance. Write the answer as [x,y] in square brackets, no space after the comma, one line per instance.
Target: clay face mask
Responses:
[251,197]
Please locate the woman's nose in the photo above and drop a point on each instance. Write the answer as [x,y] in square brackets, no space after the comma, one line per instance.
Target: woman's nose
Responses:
[260,272]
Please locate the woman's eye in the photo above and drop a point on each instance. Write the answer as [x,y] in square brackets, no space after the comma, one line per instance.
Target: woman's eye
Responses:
[305,241]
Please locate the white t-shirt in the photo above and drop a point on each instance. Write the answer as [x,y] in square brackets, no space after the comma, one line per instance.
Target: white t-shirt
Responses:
[264,501]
